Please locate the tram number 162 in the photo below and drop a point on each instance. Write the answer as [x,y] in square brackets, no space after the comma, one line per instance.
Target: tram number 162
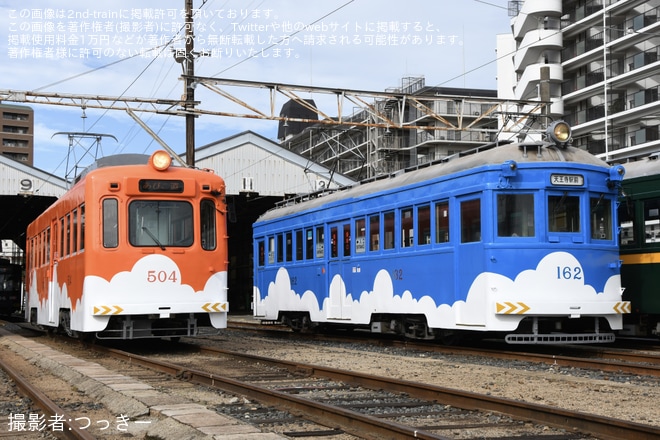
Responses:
[569,273]
[161,276]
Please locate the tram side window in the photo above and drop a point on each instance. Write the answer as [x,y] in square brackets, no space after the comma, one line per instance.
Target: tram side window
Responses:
[374,233]
[424,225]
[271,250]
[652,221]
[563,213]
[320,243]
[289,246]
[627,221]
[299,245]
[67,239]
[74,232]
[261,250]
[207,227]
[347,240]
[334,249]
[442,222]
[279,248]
[471,221]
[38,250]
[110,223]
[407,231]
[42,248]
[31,254]
[47,250]
[360,236]
[388,230]
[309,244]
[62,237]
[515,215]
[601,218]
[82,227]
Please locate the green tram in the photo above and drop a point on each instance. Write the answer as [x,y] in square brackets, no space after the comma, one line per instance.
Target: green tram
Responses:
[639,216]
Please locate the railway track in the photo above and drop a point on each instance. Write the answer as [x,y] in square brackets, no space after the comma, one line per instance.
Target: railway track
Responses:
[620,361]
[363,405]
[70,429]
[431,398]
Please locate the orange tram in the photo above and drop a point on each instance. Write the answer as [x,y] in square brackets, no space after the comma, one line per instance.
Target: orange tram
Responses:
[137,248]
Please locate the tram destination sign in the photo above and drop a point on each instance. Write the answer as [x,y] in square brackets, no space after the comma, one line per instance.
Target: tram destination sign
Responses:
[162,186]
[567,179]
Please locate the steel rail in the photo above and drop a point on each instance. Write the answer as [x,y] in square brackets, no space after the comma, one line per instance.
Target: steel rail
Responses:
[600,426]
[608,360]
[361,425]
[605,427]
[70,429]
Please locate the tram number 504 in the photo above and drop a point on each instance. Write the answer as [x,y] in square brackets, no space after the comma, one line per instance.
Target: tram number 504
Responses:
[569,273]
[161,276]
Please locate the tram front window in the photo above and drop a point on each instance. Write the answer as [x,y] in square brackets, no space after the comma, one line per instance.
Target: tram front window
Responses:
[160,223]
[515,215]
[563,213]
[601,218]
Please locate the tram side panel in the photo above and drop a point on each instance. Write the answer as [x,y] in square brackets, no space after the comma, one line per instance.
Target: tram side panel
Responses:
[557,272]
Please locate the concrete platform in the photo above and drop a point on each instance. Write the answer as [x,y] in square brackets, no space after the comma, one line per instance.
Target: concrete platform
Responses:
[157,415]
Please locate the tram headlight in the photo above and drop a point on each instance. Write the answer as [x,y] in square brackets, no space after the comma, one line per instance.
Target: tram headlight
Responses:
[160,160]
[559,132]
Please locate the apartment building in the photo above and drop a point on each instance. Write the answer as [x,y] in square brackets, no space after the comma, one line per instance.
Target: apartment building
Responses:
[429,124]
[17,133]
[598,62]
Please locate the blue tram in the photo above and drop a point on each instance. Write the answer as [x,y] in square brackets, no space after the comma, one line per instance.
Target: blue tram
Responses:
[519,240]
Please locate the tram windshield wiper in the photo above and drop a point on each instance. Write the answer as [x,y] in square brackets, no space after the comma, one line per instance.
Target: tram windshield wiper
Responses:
[600,199]
[153,237]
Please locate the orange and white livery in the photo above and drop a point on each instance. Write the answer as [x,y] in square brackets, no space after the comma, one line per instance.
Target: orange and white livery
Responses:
[136,249]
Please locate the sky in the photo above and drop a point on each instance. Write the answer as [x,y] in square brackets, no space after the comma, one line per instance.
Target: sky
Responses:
[121,48]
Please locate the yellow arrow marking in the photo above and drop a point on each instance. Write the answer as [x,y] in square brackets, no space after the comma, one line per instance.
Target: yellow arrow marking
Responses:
[509,308]
[105,310]
[525,308]
[622,307]
[214,307]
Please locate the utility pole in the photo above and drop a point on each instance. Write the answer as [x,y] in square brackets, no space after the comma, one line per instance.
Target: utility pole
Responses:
[188,85]
[544,92]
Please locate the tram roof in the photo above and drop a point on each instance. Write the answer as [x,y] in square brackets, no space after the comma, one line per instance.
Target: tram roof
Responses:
[490,154]
[647,166]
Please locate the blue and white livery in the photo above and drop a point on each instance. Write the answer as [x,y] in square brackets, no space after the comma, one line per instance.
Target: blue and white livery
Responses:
[516,239]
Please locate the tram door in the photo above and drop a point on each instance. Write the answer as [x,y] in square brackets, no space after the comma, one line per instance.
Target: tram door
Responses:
[52,256]
[339,271]
[469,260]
